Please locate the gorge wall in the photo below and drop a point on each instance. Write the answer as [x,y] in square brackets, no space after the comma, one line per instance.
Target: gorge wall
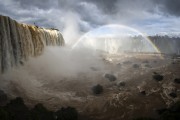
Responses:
[19,41]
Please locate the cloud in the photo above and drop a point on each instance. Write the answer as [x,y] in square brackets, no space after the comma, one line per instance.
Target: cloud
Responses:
[92,13]
[169,7]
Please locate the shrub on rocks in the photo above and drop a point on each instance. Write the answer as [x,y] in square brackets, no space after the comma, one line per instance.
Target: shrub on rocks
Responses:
[68,113]
[39,112]
[177,80]
[110,77]
[136,66]
[17,110]
[98,89]
[121,84]
[158,77]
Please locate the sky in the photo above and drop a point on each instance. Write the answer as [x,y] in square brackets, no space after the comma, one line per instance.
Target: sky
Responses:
[147,16]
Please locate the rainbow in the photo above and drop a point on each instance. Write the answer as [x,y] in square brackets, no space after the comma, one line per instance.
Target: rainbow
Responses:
[118,27]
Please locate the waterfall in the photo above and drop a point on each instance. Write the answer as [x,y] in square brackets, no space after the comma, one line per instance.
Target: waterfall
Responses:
[19,41]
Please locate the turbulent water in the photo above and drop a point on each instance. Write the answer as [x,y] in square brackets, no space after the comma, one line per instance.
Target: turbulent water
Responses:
[20,41]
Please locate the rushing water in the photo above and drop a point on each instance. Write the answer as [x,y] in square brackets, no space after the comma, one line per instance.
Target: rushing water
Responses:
[20,41]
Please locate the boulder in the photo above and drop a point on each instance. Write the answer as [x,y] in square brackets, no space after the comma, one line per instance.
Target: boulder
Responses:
[110,77]
[136,66]
[121,84]
[173,94]
[97,89]
[177,80]
[158,77]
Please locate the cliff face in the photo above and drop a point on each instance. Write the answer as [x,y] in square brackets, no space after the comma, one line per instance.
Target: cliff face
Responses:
[20,41]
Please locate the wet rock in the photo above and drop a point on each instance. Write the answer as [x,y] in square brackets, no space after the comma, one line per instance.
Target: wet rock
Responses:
[21,62]
[146,61]
[68,113]
[17,110]
[144,118]
[39,112]
[136,66]
[161,111]
[119,65]
[158,77]
[93,69]
[173,94]
[3,114]
[3,98]
[121,84]
[110,77]
[172,113]
[148,66]
[127,62]
[155,61]
[155,73]
[98,89]
[177,80]
[143,92]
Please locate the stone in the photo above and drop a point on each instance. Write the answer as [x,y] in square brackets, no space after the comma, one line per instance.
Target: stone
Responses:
[143,92]
[127,62]
[135,66]
[177,80]
[121,84]
[97,89]
[173,94]
[146,61]
[148,66]
[158,77]
[110,77]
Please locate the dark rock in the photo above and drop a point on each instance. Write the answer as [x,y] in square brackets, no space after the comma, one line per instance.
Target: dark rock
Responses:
[158,77]
[173,94]
[121,84]
[17,110]
[98,89]
[177,80]
[3,98]
[3,114]
[21,62]
[148,66]
[93,68]
[127,62]
[172,113]
[68,113]
[161,111]
[135,66]
[119,64]
[175,107]
[155,73]
[39,112]
[143,92]
[144,118]
[146,61]
[110,77]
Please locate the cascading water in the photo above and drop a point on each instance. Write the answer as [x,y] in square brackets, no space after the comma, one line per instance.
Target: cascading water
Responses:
[18,42]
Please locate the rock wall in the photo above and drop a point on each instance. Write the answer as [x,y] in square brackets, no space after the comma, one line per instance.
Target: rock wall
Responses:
[19,41]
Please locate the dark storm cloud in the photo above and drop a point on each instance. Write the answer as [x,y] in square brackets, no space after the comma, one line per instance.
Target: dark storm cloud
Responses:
[168,7]
[172,7]
[90,13]
[43,4]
